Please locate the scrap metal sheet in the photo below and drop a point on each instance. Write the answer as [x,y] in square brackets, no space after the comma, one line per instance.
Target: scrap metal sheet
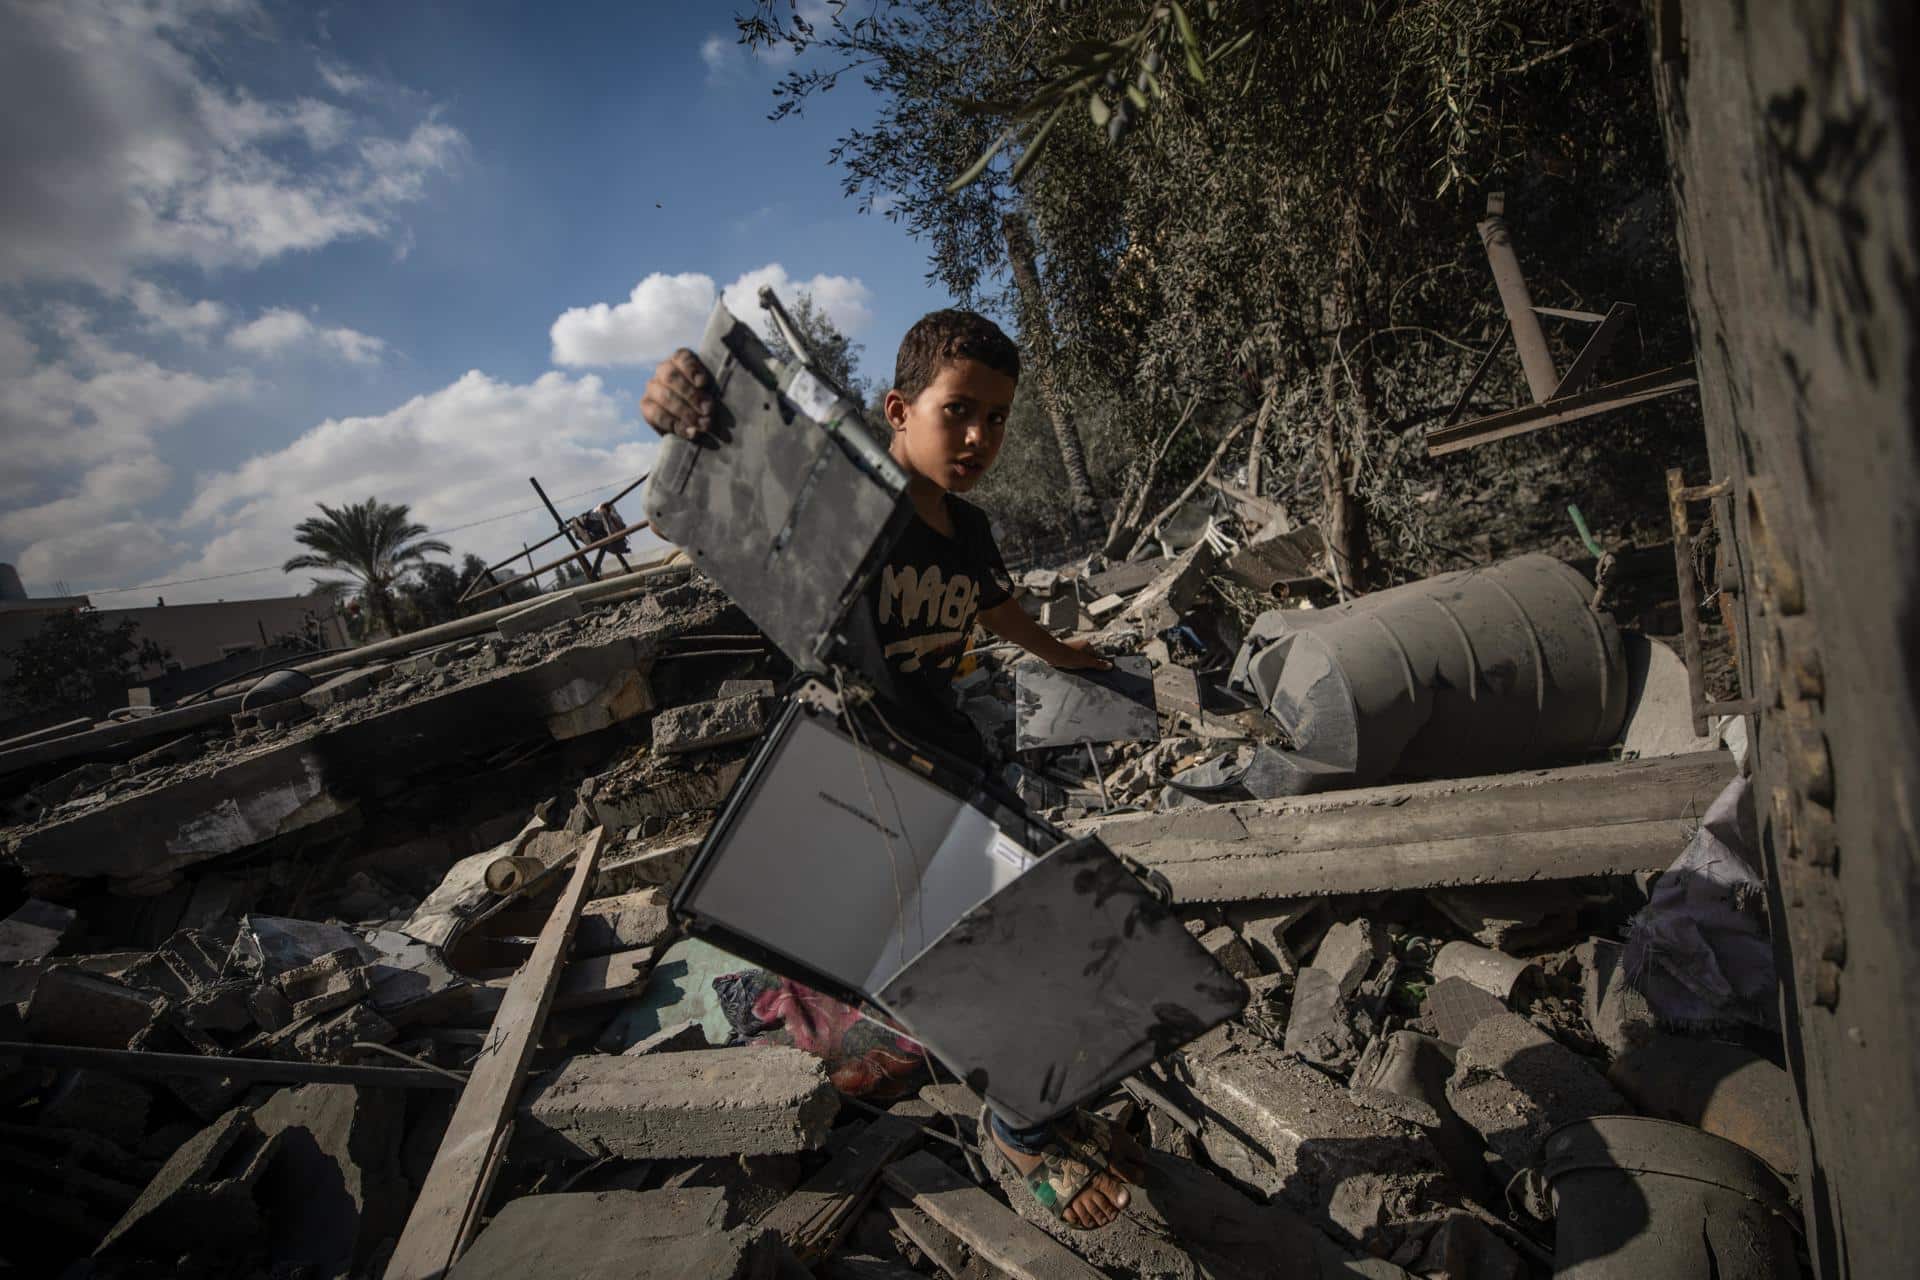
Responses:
[1057,708]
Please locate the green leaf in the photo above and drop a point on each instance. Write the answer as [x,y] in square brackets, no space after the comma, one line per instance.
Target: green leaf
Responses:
[1196,65]
[1137,98]
[979,166]
[1035,145]
[1097,108]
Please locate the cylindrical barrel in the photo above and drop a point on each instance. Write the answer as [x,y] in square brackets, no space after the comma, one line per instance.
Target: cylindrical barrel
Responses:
[1472,672]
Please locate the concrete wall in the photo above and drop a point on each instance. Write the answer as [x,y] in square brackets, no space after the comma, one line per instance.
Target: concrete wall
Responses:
[1793,127]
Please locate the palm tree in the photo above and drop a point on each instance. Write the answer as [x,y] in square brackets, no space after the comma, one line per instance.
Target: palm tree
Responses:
[372,540]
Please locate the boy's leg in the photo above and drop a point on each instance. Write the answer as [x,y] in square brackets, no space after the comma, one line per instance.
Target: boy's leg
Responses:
[1101,1201]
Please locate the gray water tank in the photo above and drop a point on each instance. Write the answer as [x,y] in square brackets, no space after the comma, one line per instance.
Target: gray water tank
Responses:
[11,587]
[1473,672]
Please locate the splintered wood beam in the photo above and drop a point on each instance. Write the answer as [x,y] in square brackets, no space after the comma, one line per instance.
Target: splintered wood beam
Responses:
[1531,417]
[989,1228]
[447,1212]
[814,1218]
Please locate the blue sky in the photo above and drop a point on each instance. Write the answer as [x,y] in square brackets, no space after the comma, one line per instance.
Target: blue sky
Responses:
[256,255]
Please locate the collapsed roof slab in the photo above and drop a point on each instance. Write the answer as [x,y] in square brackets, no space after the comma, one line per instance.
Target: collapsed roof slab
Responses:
[323,769]
[1539,824]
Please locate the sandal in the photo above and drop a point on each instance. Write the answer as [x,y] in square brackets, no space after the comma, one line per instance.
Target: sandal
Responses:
[1079,1149]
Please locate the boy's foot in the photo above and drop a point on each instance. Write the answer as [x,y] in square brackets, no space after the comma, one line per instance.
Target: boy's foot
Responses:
[1083,1177]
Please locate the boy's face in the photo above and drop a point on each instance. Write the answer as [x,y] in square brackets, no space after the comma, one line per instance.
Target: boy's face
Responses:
[952,431]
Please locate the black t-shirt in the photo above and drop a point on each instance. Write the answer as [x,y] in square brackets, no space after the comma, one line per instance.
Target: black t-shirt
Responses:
[924,602]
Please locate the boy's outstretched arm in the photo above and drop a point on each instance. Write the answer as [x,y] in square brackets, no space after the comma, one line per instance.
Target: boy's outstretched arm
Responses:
[1010,622]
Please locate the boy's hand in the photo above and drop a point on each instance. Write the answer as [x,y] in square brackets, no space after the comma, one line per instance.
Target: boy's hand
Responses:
[1080,655]
[679,397]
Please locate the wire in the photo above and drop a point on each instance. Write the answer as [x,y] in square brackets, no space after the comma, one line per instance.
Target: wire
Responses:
[274,568]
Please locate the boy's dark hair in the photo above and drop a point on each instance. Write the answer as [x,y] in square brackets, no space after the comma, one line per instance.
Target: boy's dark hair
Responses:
[940,336]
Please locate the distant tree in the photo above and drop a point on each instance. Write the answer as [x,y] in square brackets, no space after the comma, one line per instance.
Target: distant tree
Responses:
[75,657]
[374,542]
[833,352]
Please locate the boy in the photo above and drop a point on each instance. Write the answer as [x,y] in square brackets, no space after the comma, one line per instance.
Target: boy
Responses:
[953,388]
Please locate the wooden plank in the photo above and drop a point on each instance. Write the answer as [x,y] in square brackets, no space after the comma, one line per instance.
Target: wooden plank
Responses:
[938,1243]
[989,1228]
[815,1218]
[447,1212]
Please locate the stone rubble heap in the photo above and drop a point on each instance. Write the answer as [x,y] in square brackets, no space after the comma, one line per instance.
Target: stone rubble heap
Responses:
[248,972]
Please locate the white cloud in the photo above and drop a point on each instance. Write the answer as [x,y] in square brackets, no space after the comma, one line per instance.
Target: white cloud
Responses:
[455,455]
[163,311]
[280,328]
[83,431]
[715,51]
[664,312]
[126,146]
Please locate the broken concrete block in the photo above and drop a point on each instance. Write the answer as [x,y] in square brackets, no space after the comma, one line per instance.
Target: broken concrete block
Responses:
[334,1191]
[1463,1248]
[1317,1025]
[538,616]
[1349,952]
[202,1197]
[745,1101]
[622,1235]
[744,689]
[1346,1167]
[183,966]
[1177,688]
[1404,1074]
[674,1039]
[700,725]
[71,1006]
[1105,607]
[1512,917]
[1455,1007]
[1723,1089]
[638,919]
[1173,592]
[1266,928]
[1499,975]
[1619,1016]
[331,1037]
[1224,945]
[1061,613]
[345,687]
[271,1011]
[33,931]
[1041,582]
[410,982]
[334,981]
[654,864]
[98,1102]
[1515,1084]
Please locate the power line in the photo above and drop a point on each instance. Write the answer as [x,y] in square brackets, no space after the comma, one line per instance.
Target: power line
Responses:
[274,568]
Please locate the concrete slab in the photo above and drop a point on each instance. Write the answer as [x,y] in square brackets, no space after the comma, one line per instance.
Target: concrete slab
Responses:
[1515,1084]
[1348,1168]
[71,1006]
[538,616]
[202,1198]
[1318,1028]
[334,1191]
[346,686]
[1226,946]
[637,919]
[33,931]
[1604,819]
[711,1102]
[619,1235]
[321,771]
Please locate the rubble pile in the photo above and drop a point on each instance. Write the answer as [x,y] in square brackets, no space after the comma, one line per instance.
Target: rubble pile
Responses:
[384,971]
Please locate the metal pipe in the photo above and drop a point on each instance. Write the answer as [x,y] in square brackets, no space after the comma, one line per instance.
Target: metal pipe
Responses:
[565,531]
[136,1062]
[1535,359]
[616,536]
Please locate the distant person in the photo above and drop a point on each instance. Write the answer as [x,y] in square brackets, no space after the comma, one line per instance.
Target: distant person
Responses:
[953,386]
